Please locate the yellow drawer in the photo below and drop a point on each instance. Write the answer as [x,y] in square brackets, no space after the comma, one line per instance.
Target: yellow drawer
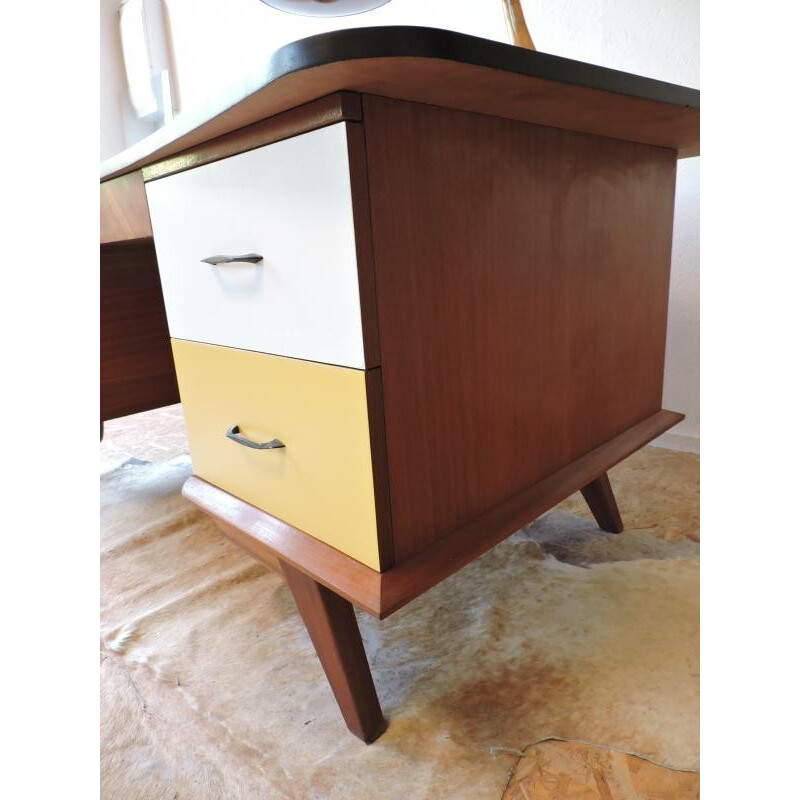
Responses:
[321,481]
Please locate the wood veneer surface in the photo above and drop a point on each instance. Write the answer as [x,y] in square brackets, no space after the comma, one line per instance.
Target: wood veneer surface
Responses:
[137,372]
[463,545]
[123,210]
[522,278]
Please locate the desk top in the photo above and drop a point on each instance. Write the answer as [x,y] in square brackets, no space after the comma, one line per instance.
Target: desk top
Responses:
[442,68]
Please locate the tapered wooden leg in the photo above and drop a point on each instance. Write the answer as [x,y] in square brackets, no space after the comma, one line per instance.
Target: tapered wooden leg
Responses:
[332,626]
[600,499]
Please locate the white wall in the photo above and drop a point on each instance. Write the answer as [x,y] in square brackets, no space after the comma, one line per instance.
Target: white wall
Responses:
[112,134]
[216,42]
[119,125]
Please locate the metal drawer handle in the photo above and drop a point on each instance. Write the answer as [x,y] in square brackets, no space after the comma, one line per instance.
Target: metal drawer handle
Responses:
[272,444]
[250,258]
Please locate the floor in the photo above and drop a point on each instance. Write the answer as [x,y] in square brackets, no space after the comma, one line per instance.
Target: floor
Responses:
[562,664]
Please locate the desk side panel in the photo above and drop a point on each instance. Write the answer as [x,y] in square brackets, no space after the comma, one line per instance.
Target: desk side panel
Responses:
[137,372]
[522,280]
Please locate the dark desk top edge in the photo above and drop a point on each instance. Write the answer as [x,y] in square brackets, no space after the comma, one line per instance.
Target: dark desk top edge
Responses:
[410,41]
[352,44]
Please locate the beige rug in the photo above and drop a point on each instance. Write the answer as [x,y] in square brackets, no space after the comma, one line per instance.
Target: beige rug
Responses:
[211,689]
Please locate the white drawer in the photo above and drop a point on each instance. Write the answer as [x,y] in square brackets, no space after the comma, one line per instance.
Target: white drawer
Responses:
[289,202]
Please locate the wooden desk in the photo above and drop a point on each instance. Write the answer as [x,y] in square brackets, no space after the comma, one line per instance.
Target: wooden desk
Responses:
[443,308]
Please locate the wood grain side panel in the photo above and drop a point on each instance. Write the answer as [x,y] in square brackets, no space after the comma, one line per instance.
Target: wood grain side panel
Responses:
[123,210]
[137,372]
[522,278]
[316,114]
[446,556]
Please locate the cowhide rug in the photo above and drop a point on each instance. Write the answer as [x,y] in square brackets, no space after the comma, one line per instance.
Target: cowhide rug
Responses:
[210,687]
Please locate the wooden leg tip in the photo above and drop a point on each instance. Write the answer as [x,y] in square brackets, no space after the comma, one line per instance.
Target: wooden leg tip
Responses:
[373,733]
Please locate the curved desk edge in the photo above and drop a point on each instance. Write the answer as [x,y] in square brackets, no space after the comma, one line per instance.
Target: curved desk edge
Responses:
[366,60]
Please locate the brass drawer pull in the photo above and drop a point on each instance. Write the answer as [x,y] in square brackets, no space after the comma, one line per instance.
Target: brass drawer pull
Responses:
[272,444]
[250,258]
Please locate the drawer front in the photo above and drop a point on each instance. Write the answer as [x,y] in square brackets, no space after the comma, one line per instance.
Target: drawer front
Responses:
[289,202]
[321,481]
